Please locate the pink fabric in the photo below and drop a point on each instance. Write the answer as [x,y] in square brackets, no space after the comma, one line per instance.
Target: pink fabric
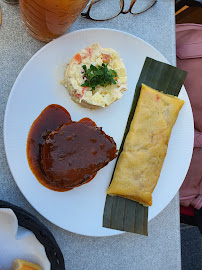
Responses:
[189,58]
[189,41]
[192,50]
[197,139]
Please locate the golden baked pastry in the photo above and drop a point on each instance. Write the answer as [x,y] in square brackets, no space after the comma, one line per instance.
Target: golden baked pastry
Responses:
[139,165]
[24,265]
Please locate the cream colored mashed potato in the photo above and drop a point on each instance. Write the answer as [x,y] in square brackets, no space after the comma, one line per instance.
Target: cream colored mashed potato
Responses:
[101,96]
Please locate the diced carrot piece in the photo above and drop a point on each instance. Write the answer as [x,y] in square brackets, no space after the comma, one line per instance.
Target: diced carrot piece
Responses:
[78,58]
[84,89]
[89,50]
[77,94]
[106,58]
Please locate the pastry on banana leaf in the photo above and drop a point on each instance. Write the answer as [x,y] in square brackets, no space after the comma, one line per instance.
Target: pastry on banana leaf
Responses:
[140,163]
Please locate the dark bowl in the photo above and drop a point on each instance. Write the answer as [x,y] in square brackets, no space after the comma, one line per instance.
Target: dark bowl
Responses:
[45,237]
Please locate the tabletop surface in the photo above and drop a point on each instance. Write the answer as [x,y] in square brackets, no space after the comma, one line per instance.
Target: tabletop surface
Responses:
[161,249]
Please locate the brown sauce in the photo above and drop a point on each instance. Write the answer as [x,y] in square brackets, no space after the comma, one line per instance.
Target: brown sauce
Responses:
[63,154]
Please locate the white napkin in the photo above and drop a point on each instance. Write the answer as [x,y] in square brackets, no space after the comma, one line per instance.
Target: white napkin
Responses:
[17,242]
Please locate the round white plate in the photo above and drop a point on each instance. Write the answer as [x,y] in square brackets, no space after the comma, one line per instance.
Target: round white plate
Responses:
[38,85]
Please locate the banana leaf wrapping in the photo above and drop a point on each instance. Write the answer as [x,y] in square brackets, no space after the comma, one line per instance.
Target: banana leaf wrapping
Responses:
[124,214]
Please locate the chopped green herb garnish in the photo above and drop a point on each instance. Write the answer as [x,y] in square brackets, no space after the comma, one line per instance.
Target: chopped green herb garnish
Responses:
[99,75]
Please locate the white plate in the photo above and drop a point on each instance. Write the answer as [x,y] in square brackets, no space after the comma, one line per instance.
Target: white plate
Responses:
[38,85]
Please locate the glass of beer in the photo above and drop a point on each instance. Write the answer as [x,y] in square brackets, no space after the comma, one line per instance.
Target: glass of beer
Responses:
[49,19]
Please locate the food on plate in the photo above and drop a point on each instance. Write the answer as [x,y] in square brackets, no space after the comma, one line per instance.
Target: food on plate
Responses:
[73,153]
[64,154]
[51,118]
[95,77]
[139,165]
[25,265]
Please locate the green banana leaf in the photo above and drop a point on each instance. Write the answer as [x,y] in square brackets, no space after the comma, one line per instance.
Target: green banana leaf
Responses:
[124,214]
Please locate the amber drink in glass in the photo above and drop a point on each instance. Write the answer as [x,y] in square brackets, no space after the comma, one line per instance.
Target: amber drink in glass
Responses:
[48,19]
